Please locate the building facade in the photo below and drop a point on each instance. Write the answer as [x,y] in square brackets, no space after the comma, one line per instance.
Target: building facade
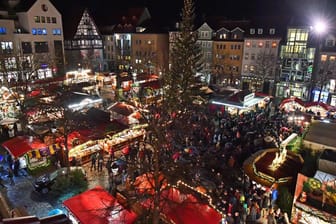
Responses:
[31,41]
[260,58]
[85,49]
[324,89]
[227,56]
[150,53]
[296,58]
[205,40]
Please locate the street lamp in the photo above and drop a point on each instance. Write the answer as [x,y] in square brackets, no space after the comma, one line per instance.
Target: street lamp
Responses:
[319,28]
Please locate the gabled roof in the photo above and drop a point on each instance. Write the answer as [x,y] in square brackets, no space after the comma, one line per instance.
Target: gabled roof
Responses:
[223,29]
[108,21]
[87,23]
[204,26]
[237,28]
[322,133]
[23,5]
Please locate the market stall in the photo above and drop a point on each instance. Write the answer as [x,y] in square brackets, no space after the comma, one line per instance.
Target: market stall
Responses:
[34,151]
[314,200]
[83,151]
[177,207]
[97,206]
[123,112]
[295,104]
[239,102]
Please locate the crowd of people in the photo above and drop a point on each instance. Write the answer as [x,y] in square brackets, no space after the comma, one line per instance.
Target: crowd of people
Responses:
[210,151]
[219,143]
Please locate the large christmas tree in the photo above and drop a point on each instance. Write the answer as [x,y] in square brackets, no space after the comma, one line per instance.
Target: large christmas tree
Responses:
[185,61]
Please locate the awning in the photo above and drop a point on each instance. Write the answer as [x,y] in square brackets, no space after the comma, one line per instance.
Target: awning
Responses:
[122,108]
[182,208]
[8,120]
[154,84]
[97,206]
[20,145]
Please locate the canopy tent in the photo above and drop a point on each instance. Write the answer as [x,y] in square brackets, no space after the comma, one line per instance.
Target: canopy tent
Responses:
[20,145]
[122,108]
[7,121]
[181,208]
[97,206]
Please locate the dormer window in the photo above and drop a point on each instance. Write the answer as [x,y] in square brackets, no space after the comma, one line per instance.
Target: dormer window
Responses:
[260,31]
[252,31]
[272,31]
[223,36]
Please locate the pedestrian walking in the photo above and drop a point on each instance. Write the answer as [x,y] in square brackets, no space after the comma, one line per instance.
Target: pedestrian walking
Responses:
[16,167]
[9,160]
[10,176]
[109,164]
[100,162]
[93,161]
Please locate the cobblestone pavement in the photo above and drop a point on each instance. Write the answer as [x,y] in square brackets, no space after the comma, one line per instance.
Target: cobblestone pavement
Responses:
[22,194]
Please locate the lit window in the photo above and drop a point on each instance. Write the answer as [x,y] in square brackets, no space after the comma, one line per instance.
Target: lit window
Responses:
[34,32]
[248,44]
[222,36]
[324,57]
[56,31]
[3,30]
[44,31]
[274,44]
[332,58]
[235,36]
[251,68]
[37,19]
[252,31]
[260,44]
[39,31]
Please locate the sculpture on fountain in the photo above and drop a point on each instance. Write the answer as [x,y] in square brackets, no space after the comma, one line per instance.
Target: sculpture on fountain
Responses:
[279,159]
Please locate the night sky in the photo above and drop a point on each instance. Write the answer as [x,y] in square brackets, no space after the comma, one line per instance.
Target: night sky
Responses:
[169,10]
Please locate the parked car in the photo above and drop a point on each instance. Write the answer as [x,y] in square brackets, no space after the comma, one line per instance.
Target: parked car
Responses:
[43,183]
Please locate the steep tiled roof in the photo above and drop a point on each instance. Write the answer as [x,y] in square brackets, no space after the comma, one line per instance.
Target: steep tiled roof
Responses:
[108,21]
[24,5]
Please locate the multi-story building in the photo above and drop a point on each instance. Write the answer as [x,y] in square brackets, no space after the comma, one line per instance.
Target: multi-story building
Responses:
[205,40]
[227,55]
[31,40]
[325,87]
[260,58]
[296,57]
[150,53]
[85,48]
[117,38]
